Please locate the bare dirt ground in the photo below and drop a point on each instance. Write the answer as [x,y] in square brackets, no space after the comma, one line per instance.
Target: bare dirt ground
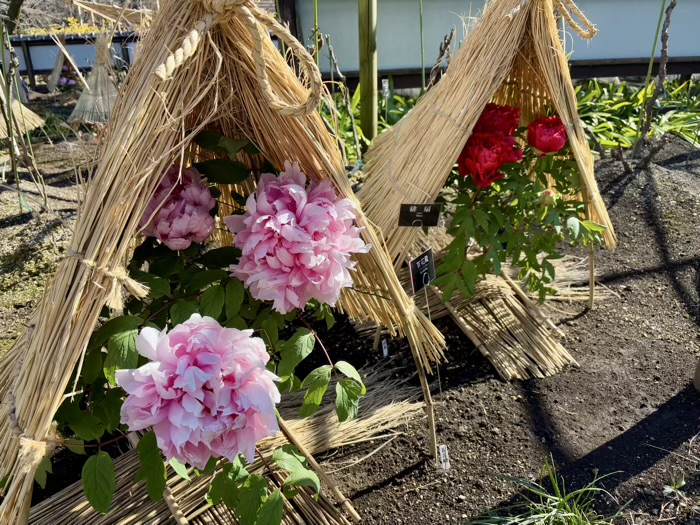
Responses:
[629,409]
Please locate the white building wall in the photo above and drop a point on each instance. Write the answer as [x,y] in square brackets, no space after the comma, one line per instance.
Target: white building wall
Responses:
[626,29]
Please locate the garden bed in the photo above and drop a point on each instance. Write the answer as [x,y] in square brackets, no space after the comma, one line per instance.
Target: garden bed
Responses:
[630,407]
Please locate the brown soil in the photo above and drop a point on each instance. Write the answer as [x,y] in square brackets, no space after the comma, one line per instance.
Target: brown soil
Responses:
[629,409]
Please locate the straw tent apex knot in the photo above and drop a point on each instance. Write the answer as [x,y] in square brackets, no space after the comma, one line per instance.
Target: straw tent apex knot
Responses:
[565,8]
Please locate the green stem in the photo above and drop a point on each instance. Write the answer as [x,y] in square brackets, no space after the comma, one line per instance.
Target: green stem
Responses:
[316,38]
[647,82]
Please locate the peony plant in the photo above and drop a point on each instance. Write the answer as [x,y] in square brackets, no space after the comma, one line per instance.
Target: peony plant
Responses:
[514,198]
[198,367]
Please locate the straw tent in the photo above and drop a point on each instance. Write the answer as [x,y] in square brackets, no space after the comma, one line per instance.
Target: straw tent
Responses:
[514,56]
[16,116]
[225,74]
[97,98]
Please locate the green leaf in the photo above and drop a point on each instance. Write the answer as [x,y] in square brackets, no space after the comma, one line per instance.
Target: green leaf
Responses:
[294,351]
[235,293]
[593,226]
[349,371]
[208,468]
[181,311]
[212,301]
[180,469]
[317,383]
[271,511]
[288,458]
[92,365]
[76,446]
[121,354]
[212,141]
[87,426]
[236,322]
[152,469]
[347,399]
[482,219]
[270,332]
[99,482]
[226,484]
[42,471]
[574,225]
[201,280]
[114,326]
[223,171]
[470,274]
[108,409]
[250,499]
[157,286]
[220,257]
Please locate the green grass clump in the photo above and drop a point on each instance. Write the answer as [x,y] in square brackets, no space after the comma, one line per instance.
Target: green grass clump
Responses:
[549,503]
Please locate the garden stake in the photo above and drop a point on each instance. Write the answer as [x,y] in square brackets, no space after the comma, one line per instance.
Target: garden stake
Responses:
[345,502]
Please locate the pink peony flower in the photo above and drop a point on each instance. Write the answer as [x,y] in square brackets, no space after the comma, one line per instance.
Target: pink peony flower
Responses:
[179,210]
[296,242]
[206,391]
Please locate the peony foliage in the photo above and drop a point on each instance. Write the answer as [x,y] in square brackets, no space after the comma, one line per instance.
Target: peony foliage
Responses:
[513,199]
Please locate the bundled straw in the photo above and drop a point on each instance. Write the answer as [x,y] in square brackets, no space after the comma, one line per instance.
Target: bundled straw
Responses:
[97,99]
[387,406]
[119,16]
[224,74]
[23,119]
[514,56]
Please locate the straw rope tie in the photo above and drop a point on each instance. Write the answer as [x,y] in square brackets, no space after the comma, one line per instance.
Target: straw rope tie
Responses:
[220,10]
[119,277]
[31,450]
[566,7]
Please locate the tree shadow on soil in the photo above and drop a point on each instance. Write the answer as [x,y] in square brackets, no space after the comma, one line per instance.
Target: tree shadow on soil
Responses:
[623,457]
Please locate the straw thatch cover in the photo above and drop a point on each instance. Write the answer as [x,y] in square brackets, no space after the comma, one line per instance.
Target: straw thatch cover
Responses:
[99,95]
[21,118]
[513,56]
[225,74]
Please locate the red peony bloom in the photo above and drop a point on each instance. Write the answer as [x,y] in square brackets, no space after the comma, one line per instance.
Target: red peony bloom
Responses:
[501,120]
[484,155]
[547,134]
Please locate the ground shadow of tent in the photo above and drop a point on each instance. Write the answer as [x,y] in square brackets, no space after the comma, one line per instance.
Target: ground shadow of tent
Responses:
[514,55]
[227,75]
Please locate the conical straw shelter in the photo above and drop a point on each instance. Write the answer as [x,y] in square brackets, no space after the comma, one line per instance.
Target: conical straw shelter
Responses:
[513,56]
[97,99]
[16,115]
[225,74]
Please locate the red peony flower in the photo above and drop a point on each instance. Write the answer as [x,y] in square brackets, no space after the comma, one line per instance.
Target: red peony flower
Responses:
[484,155]
[501,120]
[547,134]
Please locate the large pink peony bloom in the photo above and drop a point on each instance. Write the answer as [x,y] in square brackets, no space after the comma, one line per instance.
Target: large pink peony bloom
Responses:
[206,391]
[179,210]
[296,243]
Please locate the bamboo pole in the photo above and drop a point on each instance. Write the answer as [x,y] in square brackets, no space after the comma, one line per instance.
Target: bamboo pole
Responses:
[368,67]
[345,502]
